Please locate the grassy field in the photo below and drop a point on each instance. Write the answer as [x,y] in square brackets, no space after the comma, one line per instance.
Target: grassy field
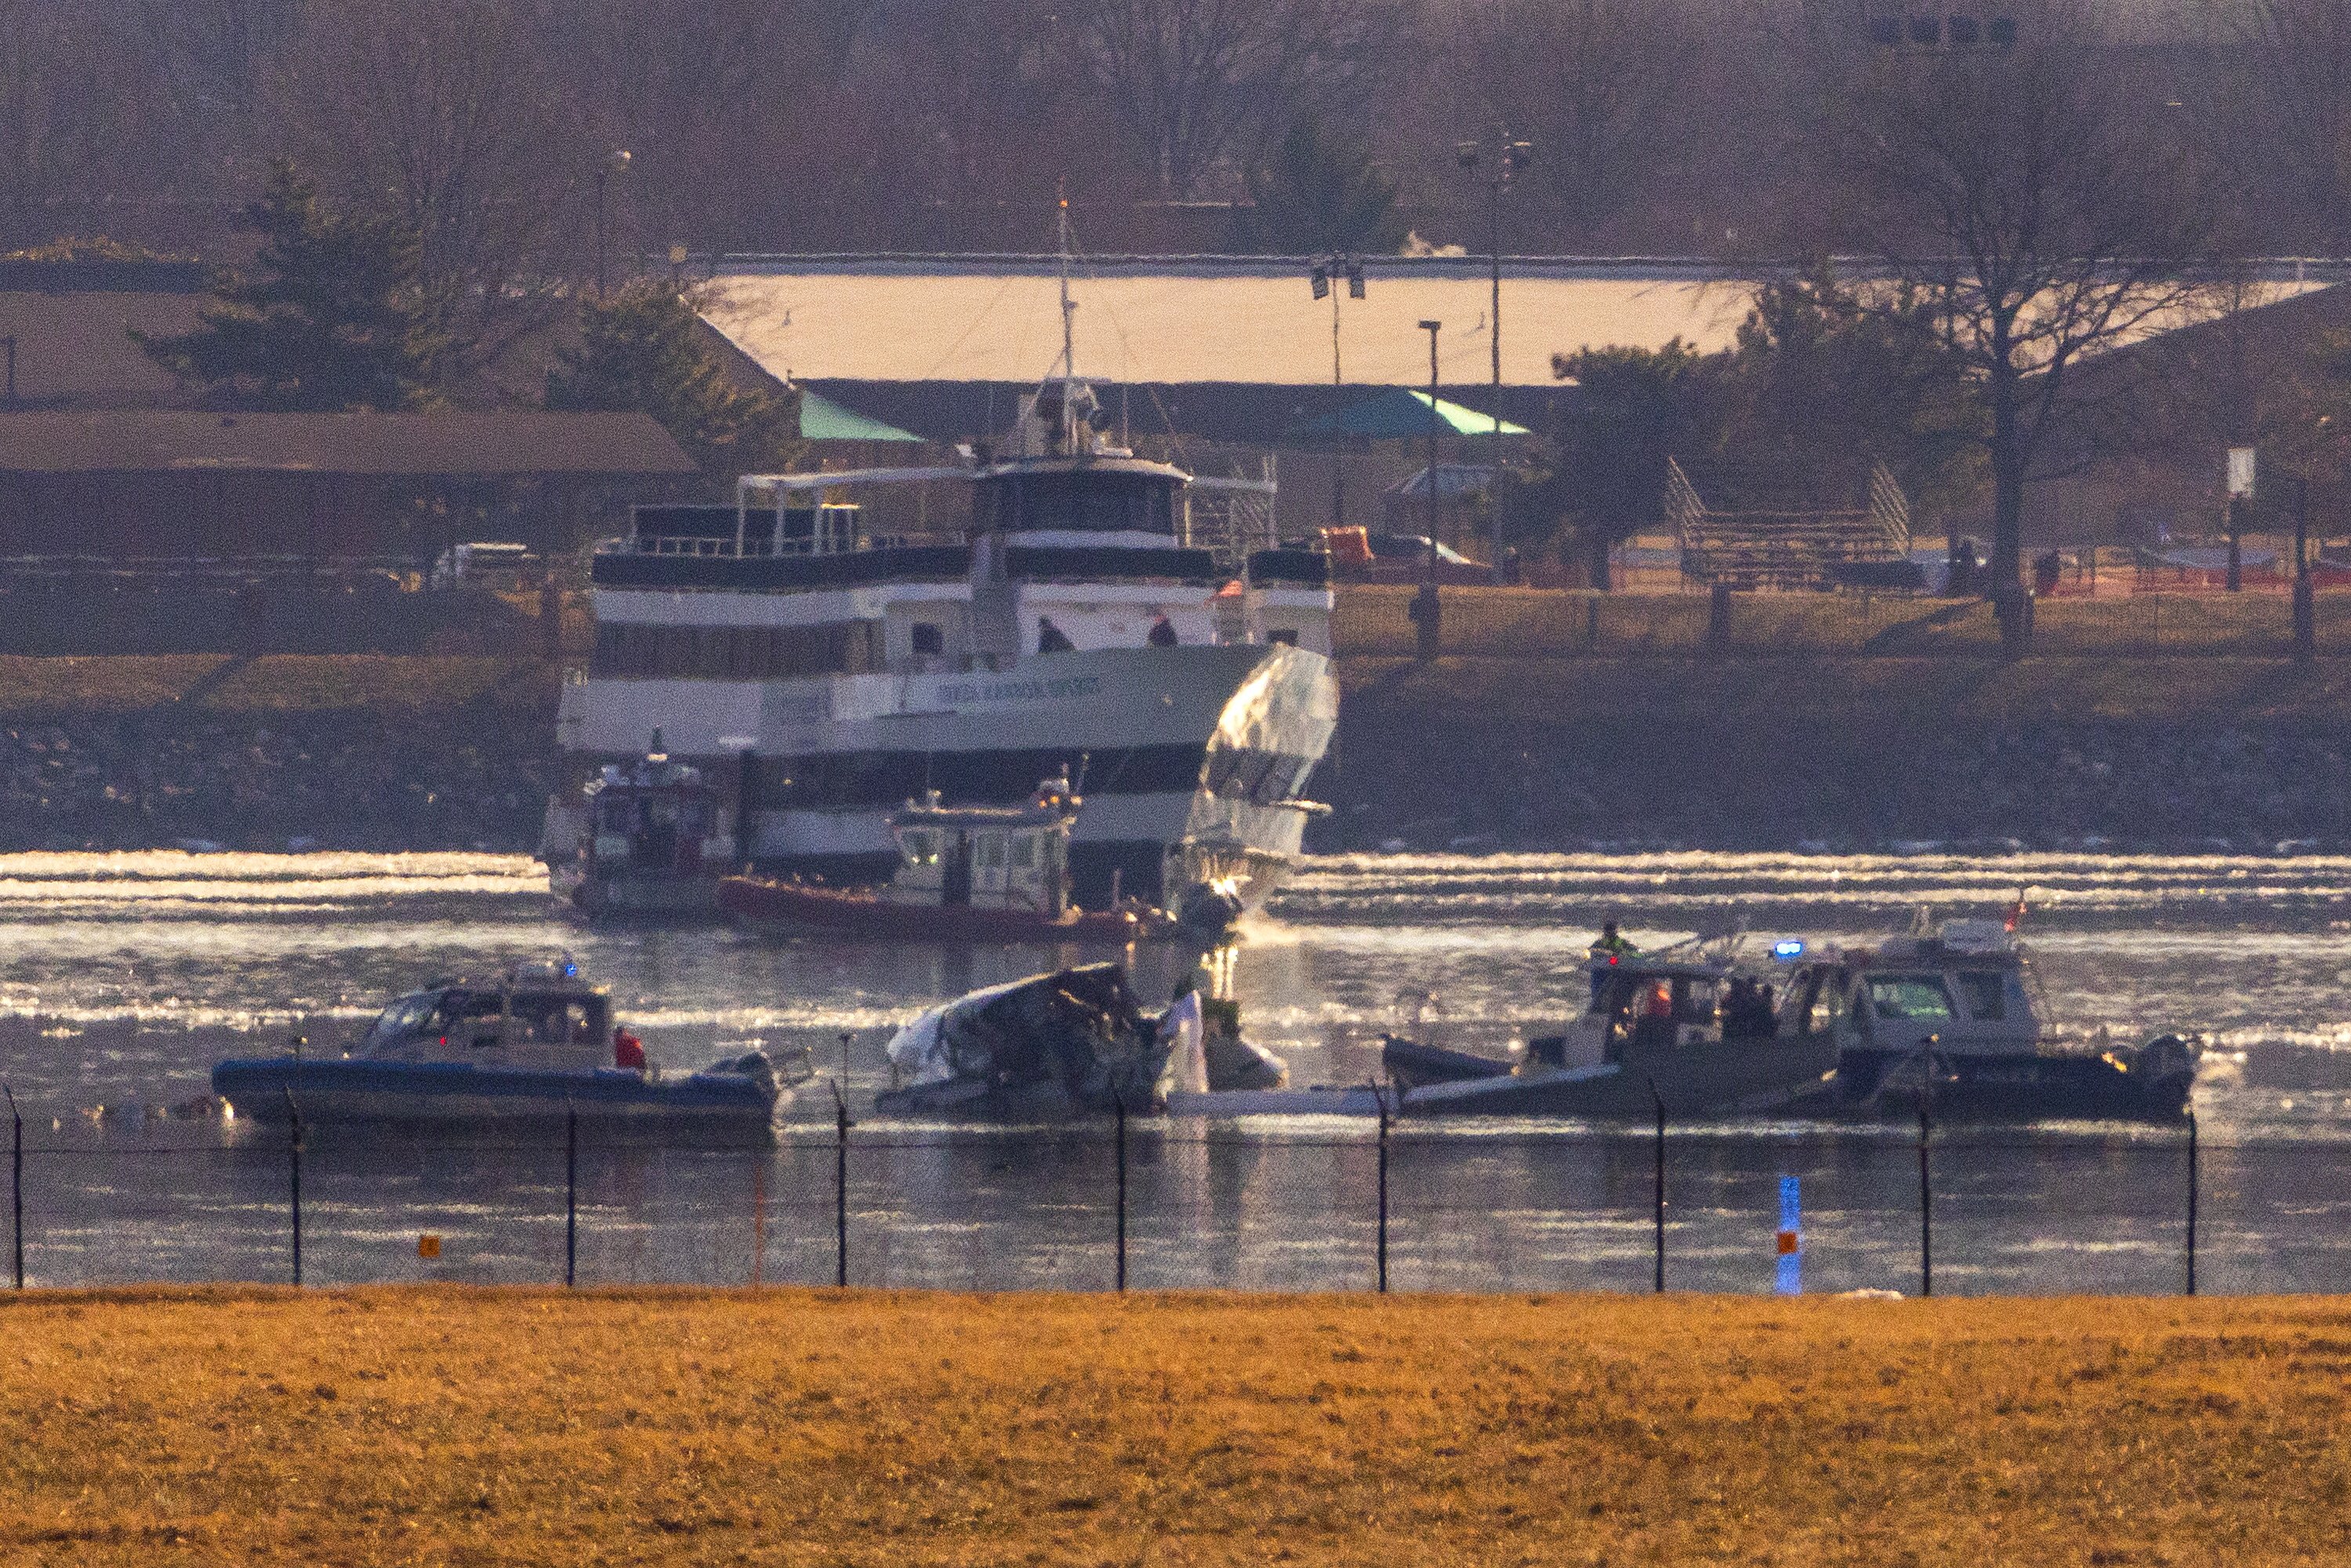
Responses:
[283,683]
[1371,622]
[1865,695]
[454,1426]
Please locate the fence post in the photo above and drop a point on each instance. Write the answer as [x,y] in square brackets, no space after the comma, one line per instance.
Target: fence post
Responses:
[294,1166]
[840,1189]
[2191,1203]
[1658,1216]
[758,1218]
[17,1183]
[571,1195]
[2306,609]
[1926,1200]
[1718,618]
[1382,1244]
[1120,1100]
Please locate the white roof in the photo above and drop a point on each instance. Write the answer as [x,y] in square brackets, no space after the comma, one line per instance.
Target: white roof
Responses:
[1178,320]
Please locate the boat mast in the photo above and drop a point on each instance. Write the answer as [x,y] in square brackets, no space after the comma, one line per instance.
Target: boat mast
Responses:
[1068,313]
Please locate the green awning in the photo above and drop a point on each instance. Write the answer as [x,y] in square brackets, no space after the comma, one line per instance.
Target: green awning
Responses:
[822,419]
[1398,414]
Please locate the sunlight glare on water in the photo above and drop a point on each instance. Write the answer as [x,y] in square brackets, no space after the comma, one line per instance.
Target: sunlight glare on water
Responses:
[124,976]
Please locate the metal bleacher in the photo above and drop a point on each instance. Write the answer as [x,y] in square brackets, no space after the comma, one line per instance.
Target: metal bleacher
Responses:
[1752,531]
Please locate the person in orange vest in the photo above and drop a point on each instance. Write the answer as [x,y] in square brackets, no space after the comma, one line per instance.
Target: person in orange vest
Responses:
[628,1051]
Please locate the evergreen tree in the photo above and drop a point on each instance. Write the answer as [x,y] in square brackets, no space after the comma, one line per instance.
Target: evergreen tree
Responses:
[1317,196]
[643,351]
[1633,409]
[1824,377]
[330,317]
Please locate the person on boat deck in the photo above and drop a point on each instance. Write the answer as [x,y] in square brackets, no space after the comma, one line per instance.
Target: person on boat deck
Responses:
[1051,639]
[1162,634]
[1607,946]
[628,1051]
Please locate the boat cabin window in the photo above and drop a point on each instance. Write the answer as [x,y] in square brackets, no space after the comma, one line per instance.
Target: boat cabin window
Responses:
[988,852]
[1024,852]
[557,1020]
[1825,1004]
[1985,991]
[1686,998]
[920,846]
[1088,501]
[409,1015]
[928,638]
[1918,997]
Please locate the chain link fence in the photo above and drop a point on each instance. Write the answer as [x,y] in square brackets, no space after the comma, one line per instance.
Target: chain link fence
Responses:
[1178,1204]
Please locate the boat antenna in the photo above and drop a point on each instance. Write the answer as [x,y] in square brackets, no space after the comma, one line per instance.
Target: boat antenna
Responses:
[1069,315]
[1068,349]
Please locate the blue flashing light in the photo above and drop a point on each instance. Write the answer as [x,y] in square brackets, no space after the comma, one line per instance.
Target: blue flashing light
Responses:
[1789,949]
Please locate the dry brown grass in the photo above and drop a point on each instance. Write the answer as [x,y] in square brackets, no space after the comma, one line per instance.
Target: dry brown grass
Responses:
[1371,622]
[1870,695]
[283,683]
[447,1426]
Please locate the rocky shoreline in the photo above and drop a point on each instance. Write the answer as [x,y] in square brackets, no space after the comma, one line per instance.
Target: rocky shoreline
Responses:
[1557,759]
[344,779]
[2228,790]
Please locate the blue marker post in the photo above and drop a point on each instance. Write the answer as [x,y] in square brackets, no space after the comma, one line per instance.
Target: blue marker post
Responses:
[1790,1280]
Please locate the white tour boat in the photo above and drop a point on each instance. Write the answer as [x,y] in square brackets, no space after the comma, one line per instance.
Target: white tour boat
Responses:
[1087,620]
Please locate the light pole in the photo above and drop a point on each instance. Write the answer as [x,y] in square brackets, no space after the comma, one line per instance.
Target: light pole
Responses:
[615,162]
[1508,157]
[1425,603]
[1326,272]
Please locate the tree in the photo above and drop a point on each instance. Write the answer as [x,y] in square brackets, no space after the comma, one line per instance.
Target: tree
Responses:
[1196,83]
[1597,83]
[1633,409]
[2278,118]
[644,351]
[330,317]
[2008,188]
[440,113]
[1821,378]
[1316,197]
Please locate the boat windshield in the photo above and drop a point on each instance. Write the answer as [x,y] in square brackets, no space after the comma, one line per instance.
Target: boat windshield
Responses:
[1085,501]
[409,1015]
[1920,997]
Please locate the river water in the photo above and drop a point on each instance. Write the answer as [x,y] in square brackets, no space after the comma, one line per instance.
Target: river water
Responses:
[122,977]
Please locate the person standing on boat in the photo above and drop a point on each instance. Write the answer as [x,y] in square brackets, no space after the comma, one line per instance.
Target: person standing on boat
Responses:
[1162,634]
[628,1051]
[1051,639]
[1606,949]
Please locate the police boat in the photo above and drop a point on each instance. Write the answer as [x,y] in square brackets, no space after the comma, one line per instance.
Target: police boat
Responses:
[534,1041]
[1951,1016]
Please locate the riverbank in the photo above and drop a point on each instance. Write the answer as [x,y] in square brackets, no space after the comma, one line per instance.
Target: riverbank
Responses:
[527,1428]
[352,751]
[1841,753]
[1832,752]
